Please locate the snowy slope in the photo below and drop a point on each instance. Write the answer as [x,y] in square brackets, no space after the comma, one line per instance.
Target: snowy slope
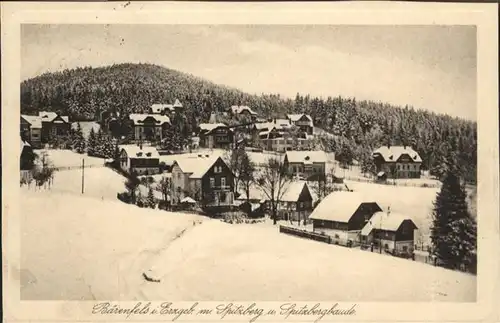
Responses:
[94,249]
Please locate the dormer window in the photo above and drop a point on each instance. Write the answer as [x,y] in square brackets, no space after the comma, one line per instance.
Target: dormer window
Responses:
[148,154]
[390,157]
[139,154]
[307,158]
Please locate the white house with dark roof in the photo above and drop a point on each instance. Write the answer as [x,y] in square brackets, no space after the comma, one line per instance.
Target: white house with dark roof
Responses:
[205,178]
[39,129]
[140,160]
[391,232]
[303,121]
[149,127]
[397,162]
[342,216]
[305,163]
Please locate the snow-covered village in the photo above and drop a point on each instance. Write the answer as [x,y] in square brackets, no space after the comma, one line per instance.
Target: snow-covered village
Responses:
[144,181]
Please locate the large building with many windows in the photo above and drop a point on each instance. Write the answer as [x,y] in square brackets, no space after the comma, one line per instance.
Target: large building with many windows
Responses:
[397,162]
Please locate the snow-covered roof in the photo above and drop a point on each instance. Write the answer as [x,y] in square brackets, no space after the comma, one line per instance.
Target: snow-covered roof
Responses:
[50,116]
[159,108]
[385,221]
[138,118]
[339,206]
[188,200]
[210,126]
[302,156]
[235,109]
[293,190]
[296,117]
[177,104]
[196,166]
[23,144]
[393,153]
[134,151]
[34,121]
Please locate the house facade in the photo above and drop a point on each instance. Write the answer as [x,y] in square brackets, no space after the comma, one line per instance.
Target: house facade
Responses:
[215,135]
[243,111]
[303,121]
[206,179]
[278,135]
[390,232]
[296,204]
[149,127]
[306,164]
[40,129]
[397,162]
[342,216]
[140,160]
[166,109]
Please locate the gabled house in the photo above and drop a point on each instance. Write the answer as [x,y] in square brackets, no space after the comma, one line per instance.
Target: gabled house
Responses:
[243,111]
[397,162]
[42,128]
[342,216]
[306,164]
[31,130]
[165,109]
[276,135]
[391,232]
[296,203]
[303,121]
[215,135]
[140,160]
[206,179]
[53,125]
[149,127]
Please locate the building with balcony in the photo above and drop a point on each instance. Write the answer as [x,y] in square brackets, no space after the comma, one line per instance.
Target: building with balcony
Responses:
[278,135]
[397,162]
[215,135]
[205,178]
[149,127]
[303,121]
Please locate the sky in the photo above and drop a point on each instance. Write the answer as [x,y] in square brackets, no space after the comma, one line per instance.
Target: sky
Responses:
[427,67]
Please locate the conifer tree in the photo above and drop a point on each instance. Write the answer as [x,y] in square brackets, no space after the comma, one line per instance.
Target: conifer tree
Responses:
[453,231]
[91,143]
[78,140]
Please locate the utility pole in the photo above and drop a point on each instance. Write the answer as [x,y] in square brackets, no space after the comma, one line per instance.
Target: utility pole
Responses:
[83,174]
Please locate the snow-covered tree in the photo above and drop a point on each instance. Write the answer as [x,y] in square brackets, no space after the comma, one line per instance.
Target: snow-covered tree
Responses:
[453,231]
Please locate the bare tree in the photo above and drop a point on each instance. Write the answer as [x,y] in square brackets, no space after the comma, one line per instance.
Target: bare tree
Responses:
[164,186]
[273,180]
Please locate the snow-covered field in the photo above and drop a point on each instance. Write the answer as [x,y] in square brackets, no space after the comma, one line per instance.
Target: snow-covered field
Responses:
[97,249]
[67,158]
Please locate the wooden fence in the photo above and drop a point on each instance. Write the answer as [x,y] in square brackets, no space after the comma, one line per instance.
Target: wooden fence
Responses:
[305,234]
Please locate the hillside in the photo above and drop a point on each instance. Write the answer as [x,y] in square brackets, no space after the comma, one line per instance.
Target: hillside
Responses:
[358,126]
[107,245]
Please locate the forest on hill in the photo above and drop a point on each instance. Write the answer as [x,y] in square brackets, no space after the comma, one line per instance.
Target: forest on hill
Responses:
[358,126]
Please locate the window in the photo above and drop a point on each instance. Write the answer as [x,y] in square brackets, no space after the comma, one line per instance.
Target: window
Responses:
[336,236]
[218,169]
[301,204]
[212,182]
[405,248]
[223,181]
[399,167]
